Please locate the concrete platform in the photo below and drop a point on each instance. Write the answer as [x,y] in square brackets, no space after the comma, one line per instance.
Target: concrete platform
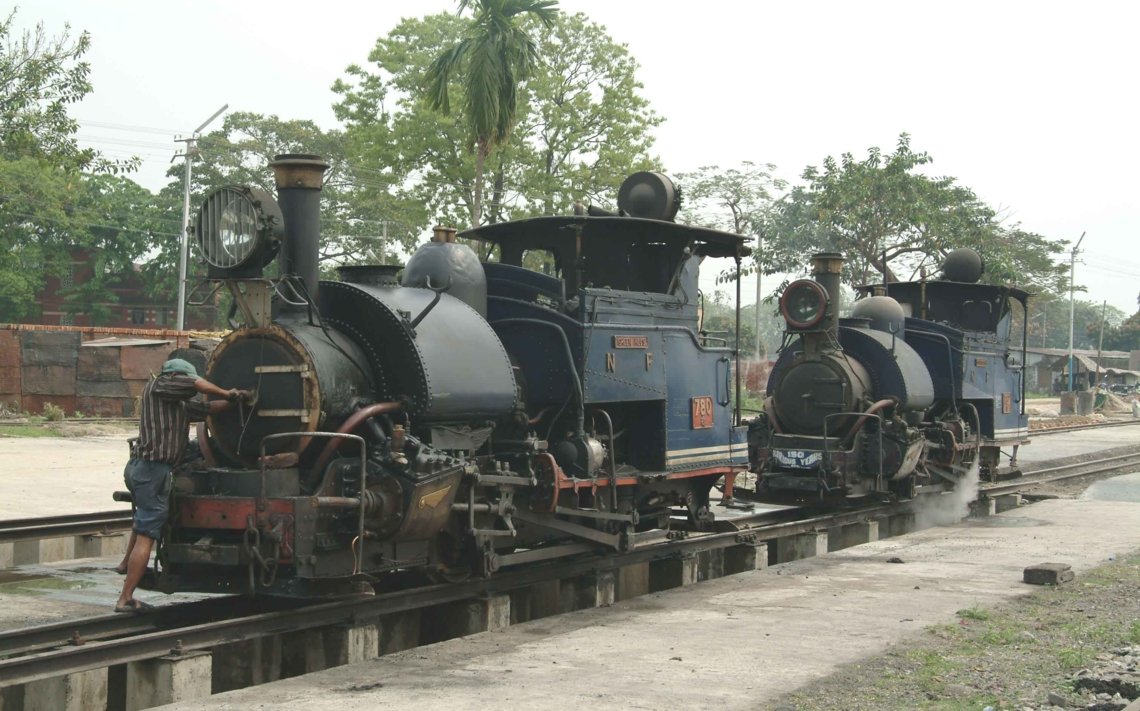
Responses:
[735,642]
[46,476]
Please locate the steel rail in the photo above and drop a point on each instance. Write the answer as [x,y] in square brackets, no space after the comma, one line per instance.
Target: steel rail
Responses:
[1076,428]
[22,529]
[146,644]
[1071,470]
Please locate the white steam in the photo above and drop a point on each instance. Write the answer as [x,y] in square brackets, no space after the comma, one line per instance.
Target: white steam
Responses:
[951,506]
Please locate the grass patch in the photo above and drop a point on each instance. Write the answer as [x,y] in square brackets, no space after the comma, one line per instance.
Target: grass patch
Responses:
[974,613]
[1008,657]
[29,431]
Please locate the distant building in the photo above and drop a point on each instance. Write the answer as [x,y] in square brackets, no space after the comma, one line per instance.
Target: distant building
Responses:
[133,309]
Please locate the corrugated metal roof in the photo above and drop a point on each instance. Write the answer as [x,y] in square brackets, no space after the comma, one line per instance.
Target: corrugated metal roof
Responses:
[121,342]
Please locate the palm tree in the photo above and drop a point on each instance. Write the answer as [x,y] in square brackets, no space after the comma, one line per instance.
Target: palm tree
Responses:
[497,55]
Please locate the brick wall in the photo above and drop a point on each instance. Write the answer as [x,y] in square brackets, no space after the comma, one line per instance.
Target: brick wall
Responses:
[48,364]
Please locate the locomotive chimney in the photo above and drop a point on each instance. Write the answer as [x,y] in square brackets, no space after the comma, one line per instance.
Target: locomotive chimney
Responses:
[299,180]
[826,268]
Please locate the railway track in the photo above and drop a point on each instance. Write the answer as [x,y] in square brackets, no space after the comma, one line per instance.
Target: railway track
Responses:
[46,651]
[1077,428]
[61,648]
[22,529]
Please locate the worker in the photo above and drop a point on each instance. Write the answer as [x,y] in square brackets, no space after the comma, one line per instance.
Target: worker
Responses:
[168,405]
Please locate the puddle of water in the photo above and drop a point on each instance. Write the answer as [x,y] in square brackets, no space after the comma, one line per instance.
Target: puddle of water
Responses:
[18,576]
[1125,487]
[42,585]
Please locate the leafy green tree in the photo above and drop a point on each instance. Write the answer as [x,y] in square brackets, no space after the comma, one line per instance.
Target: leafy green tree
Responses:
[57,198]
[889,218]
[582,126]
[494,56]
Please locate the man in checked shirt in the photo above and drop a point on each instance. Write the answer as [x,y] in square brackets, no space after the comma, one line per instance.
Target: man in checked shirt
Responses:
[168,406]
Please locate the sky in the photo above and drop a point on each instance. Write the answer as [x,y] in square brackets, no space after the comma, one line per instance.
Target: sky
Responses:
[1031,104]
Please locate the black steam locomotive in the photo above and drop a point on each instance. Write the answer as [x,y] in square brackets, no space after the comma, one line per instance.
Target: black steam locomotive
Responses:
[920,386]
[457,417]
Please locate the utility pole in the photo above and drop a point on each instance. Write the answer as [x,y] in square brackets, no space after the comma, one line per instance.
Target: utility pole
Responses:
[1072,272]
[1099,346]
[188,159]
[759,338]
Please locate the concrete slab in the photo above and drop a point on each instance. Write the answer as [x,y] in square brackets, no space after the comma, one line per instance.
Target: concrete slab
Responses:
[736,642]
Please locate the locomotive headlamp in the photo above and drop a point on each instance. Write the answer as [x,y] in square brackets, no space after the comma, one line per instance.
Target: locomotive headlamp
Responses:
[239,230]
[803,304]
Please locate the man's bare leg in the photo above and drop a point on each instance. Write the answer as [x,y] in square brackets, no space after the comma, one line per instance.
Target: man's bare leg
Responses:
[137,562]
[121,568]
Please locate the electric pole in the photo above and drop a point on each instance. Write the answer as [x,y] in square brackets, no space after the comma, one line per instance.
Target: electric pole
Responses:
[1072,272]
[188,159]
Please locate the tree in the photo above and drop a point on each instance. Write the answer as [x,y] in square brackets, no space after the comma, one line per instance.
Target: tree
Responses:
[57,197]
[582,126]
[888,218]
[495,56]
[736,200]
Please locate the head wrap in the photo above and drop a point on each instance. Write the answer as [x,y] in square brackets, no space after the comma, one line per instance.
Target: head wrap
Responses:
[177,365]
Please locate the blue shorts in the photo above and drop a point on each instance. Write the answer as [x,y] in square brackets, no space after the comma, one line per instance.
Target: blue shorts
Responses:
[149,484]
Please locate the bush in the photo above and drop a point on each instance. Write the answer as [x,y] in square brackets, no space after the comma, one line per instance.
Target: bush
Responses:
[53,413]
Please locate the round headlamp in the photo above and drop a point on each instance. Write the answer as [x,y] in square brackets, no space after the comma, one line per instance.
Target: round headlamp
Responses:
[803,304]
[239,228]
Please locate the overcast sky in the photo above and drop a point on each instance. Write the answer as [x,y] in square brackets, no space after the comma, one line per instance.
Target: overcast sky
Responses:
[1031,104]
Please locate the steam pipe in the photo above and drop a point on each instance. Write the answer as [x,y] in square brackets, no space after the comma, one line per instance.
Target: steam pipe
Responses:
[878,405]
[349,425]
[299,179]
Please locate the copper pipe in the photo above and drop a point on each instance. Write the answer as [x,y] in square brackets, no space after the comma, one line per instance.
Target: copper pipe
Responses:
[354,420]
[879,405]
[537,418]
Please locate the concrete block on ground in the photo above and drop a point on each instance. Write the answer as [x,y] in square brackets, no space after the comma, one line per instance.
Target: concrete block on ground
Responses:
[302,652]
[631,581]
[99,545]
[1006,502]
[854,534]
[1048,574]
[350,644]
[588,591]
[167,680]
[803,545]
[43,550]
[399,631]
[673,572]
[898,525]
[73,692]
[246,663]
[746,557]
[710,564]
[460,619]
[6,555]
[537,601]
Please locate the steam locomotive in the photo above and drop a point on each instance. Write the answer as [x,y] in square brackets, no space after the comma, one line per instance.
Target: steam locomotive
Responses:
[921,386]
[461,415]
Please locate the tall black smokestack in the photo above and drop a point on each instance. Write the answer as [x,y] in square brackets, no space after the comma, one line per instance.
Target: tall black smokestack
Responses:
[299,180]
[826,268]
